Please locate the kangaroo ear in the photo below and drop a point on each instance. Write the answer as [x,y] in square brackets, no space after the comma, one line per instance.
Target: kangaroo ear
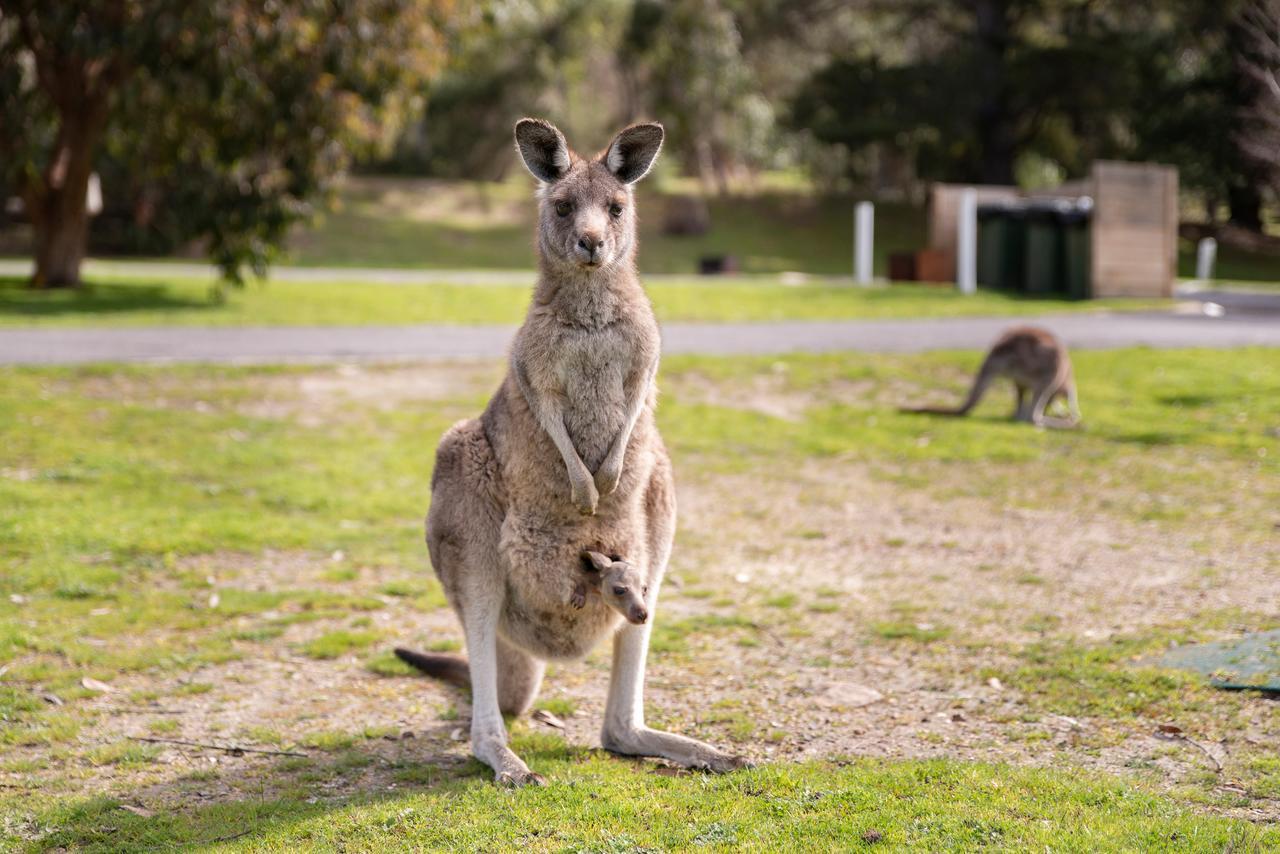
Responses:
[633,151]
[595,562]
[543,149]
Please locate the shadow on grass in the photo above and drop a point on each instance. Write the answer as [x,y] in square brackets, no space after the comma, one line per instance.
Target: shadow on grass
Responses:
[18,299]
[253,799]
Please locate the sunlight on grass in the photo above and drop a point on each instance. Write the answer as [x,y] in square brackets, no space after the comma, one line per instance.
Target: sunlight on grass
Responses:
[107,301]
[599,803]
[161,486]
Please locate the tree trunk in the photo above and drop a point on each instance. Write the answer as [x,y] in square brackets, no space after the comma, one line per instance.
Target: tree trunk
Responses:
[59,216]
[1246,207]
[995,124]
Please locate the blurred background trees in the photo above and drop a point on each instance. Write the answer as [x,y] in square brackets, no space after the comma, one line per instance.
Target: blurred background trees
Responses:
[226,121]
[221,120]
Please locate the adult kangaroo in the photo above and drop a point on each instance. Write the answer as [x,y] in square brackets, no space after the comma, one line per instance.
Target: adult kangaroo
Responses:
[566,458]
[1036,361]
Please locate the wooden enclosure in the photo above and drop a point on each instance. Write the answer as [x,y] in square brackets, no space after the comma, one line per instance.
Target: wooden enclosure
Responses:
[1133,231]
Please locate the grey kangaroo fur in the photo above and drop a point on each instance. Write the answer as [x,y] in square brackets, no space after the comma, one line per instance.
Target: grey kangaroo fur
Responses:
[1037,363]
[565,458]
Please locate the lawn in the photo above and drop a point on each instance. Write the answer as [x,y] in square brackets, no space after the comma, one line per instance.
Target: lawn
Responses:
[384,222]
[776,227]
[191,302]
[467,225]
[226,555]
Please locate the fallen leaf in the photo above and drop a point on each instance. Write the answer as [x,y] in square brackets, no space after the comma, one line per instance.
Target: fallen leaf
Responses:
[1170,729]
[139,811]
[51,699]
[17,598]
[542,716]
[995,683]
[99,612]
[406,734]
[214,600]
[95,685]
[957,717]
[456,735]
[872,836]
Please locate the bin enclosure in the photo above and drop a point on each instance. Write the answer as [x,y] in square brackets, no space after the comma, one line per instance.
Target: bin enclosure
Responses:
[1127,245]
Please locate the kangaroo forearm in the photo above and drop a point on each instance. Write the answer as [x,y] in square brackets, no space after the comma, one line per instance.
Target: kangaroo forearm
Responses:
[637,395]
[550,418]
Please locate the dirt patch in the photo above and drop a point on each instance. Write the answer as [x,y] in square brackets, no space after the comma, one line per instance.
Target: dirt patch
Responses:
[821,611]
[315,398]
[773,653]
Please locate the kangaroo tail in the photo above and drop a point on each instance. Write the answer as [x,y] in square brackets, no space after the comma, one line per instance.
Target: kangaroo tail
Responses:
[447,668]
[985,375]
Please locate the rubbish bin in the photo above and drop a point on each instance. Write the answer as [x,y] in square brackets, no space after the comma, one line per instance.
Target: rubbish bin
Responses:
[1001,235]
[1043,271]
[1074,224]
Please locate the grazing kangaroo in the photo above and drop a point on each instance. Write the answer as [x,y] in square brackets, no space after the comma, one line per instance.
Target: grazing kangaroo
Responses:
[565,458]
[618,583]
[1037,362]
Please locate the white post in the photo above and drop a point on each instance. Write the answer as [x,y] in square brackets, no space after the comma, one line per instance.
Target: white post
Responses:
[967,243]
[1206,253]
[863,228]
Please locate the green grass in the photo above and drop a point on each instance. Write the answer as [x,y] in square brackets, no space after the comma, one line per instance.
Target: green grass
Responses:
[109,301]
[442,225]
[125,489]
[597,803]
[336,644]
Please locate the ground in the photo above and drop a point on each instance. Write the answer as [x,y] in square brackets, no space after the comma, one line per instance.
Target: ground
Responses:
[191,301]
[934,632]
[779,224]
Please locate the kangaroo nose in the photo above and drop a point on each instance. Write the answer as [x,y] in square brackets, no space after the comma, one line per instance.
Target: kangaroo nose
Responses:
[590,242]
[639,615]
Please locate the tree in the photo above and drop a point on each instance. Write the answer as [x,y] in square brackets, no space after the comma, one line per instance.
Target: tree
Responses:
[1259,63]
[241,113]
[974,87]
[687,56]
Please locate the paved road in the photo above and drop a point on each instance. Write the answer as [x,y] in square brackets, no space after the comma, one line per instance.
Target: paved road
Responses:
[293,344]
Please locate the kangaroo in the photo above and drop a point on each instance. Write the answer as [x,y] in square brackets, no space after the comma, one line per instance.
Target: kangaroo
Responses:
[618,583]
[1037,362]
[565,458]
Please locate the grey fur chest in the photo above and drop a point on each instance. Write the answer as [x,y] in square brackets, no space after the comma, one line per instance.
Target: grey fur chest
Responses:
[590,367]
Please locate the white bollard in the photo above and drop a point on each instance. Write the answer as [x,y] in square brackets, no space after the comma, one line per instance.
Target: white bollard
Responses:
[967,243]
[864,214]
[93,195]
[1206,254]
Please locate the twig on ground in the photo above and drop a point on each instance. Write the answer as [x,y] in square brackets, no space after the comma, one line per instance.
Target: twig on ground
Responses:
[1174,733]
[232,749]
[142,710]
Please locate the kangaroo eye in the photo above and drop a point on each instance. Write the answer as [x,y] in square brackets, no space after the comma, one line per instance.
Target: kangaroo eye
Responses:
[618,591]
[615,210]
[644,591]
[563,208]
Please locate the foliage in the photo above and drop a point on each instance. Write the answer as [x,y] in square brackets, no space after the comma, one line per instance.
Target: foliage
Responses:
[1002,82]
[225,121]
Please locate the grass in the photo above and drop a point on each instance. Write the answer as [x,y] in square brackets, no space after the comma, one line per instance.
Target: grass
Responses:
[335,644]
[443,225]
[133,494]
[601,804]
[109,301]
